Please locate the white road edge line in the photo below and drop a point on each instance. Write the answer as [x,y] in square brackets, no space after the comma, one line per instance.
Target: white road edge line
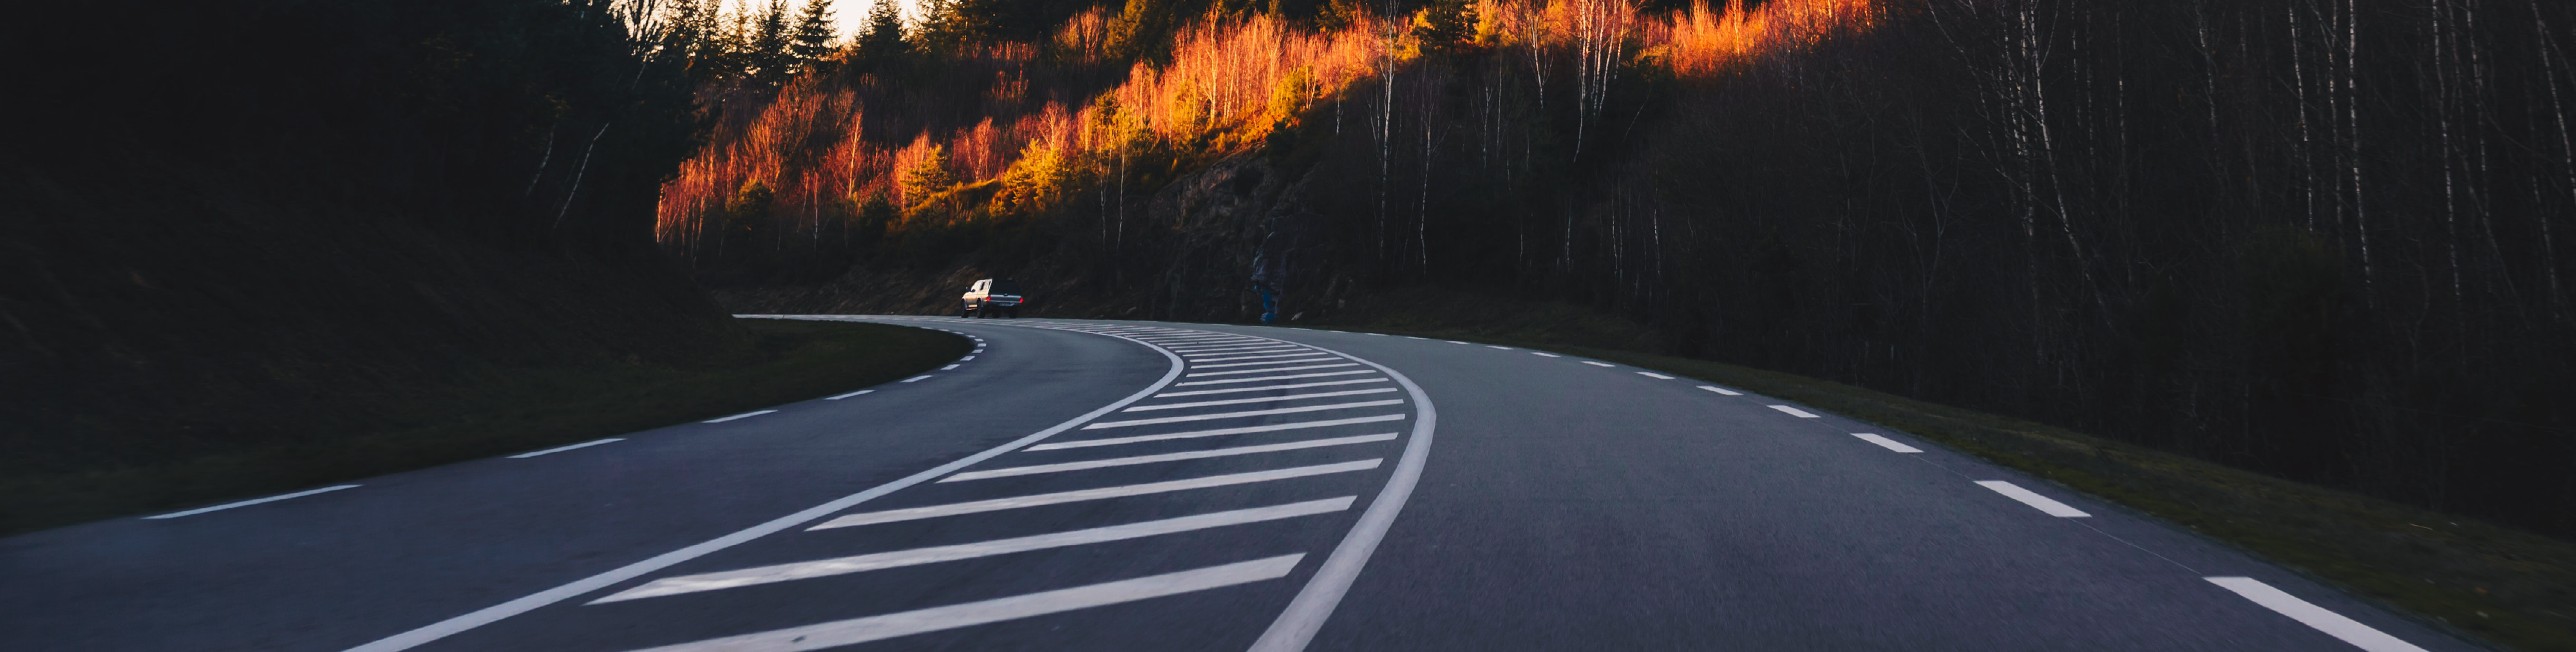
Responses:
[1257,399]
[530,602]
[1656,376]
[1165,457]
[775,573]
[876,628]
[1087,443]
[559,449]
[2333,624]
[1598,364]
[843,396]
[1795,412]
[1721,390]
[1884,442]
[1079,495]
[2043,503]
[253,501]
[745,415]
[1306,613]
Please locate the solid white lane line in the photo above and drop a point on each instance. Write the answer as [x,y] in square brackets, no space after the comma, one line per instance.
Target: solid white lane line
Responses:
[1251,357]
[1103,493]
[745,415]
[1257,399]
[2333,624]
[1552,355]
[1264,371]
[949,367]
[1263,378]
[559,449]
[1795,412]
[253,501]
[1598,364]
[2043,503]
[1656,376]
[1302,358]
[1889,444]
[531,602]
[1086,443]
[1296,625]
[1721,390]
[1166,457]
[1245,413]
[1265,388]
[918,556]
[914,378]
[876,628]
[843,396]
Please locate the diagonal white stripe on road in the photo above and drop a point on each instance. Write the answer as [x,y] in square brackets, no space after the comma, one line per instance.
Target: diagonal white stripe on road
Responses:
[2333,624]
[2043,503]
[1245,413]
[876,628]
[1016,502]
[1302,359]
[1086,443]
[1167,457]
[1272,356]
[253,501]
[1889,444]
[1265,371]
[1257,399]
[559,449]
[1265,388]
[918,556]
[1263,378]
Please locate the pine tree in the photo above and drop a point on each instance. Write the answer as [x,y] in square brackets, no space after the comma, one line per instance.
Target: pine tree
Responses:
[812,37]
[881,46]
[768,53]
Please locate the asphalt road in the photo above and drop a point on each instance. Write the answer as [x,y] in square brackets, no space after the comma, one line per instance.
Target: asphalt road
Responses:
[1147,486]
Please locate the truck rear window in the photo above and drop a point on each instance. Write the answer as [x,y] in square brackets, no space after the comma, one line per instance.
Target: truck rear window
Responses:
[1005,287]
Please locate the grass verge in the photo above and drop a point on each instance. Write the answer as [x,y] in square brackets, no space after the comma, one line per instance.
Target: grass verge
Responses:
[527,409]
[2502,585]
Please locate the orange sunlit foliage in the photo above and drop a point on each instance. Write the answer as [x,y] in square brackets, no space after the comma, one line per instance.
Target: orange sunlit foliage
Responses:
[1228,83]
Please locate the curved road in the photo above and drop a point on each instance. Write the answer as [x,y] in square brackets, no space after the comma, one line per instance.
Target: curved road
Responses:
[1147,486]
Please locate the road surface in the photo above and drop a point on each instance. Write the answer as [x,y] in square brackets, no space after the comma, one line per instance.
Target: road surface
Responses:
[1084,485]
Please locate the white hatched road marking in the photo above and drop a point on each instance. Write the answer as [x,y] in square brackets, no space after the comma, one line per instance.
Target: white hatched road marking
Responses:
[1113,441]
[918,556]
[1795,412]
[1255,380]
[1274,370]
[1889,444]
[1167,457]
[2333,624]
[559,449]
[1261,399]
[253,501]
[1272,356]
[1721,390]
[2045,504]
[1265,388]
[1016,502]
[745,415]
[876,628]
[1245,413]
[1301,359]
[1187,351]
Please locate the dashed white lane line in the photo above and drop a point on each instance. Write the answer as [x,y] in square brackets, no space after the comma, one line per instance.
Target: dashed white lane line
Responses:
[949,367]
[559,449]
[745,415]
[1884,442]
[1265,388]
[1795,412]
[1656,376]
[2333,624]
[915,378]
[1113,441]
[1166,457]
[2043,503]
[1490,346]
[934,554]
[1453,342]
[1245,413]
[1721,390]
[876,628]
[1103,493]
[1257,399]
[843,396]
[253,501]
[1543,353]
[1598,364]
[967,358]
[1302,359]
[1264,371]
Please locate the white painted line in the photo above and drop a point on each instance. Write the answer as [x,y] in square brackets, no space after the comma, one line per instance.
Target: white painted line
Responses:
[1795,412]
[559,449]
[1721,390]
[1246,413]
[1085,443]
[1265,388]
[1158,340]
[1656,376]
[1254,357]
[843,396]
[2044,503]
[253,501]
[1228,350]
[745,415]
[897,559]
[1263,378]
[949,367]
[1454,342]
[1061,497]
[877,628]
[1166,457]
[1598,364]
[1889,444]
[495,613]
[1490,346]
[970,357]
[1376,334]
[2333,624]
[915,378]
[1296,625]
[1551,355]
[1304,359]
[1264,371]
[1257,399]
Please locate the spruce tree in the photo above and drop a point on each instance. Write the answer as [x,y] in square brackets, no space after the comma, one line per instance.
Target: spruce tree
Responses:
[881,44]
[768,54]
[811,39]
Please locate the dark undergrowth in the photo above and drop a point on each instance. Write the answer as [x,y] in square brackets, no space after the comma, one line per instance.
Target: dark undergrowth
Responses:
[514,410]
[2504,585]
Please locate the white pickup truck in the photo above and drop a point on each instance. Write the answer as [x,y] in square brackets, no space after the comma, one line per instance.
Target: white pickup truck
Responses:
[991,298]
